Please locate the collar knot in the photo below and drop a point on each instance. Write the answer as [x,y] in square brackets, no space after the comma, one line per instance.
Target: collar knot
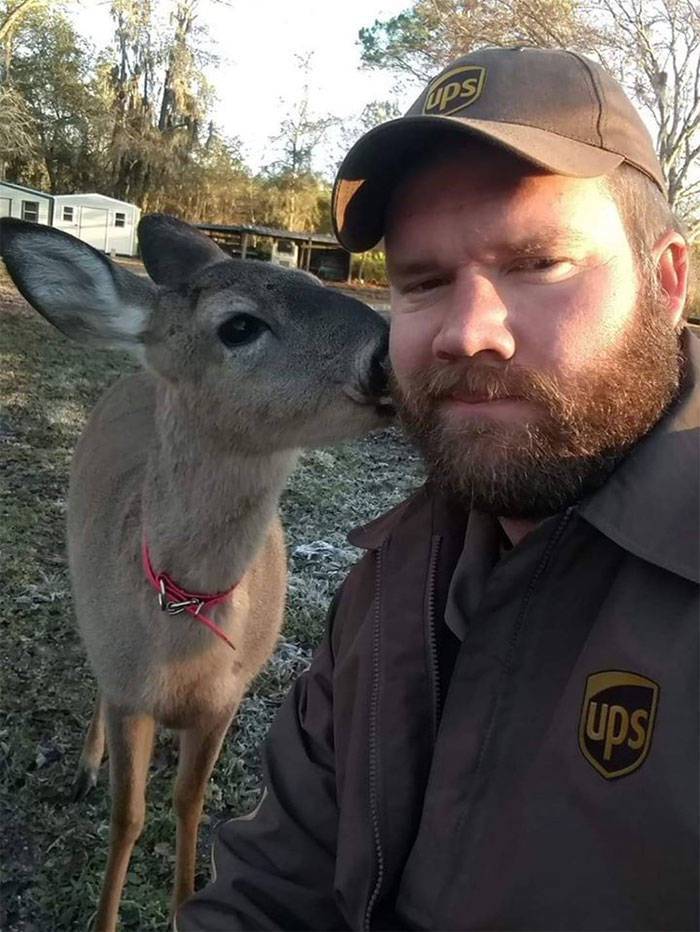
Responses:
[174,600]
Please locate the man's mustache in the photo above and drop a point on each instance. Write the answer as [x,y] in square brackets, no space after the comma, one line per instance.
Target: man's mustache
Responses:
[476,380]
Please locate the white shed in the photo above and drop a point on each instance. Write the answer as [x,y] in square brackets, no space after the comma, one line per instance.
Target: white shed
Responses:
[16,200]
[101,221]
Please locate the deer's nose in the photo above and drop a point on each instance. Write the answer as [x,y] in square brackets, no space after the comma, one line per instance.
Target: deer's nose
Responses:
[376,383]
[370,381]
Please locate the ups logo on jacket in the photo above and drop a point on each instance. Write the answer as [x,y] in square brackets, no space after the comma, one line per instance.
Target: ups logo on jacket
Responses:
[617,721]
[454,90]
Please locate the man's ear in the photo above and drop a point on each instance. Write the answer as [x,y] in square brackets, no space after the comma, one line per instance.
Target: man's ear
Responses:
[173,251]
[671,254]
[76,287]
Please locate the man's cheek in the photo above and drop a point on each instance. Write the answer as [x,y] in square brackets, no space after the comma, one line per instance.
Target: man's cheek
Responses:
[586,341]
[598,317]
[410,346]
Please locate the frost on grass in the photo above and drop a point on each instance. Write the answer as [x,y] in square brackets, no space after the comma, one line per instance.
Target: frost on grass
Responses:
[50,587]
[66,414]
[331,492]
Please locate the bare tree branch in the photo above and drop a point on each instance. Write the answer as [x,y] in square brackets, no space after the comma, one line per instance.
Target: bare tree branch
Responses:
[13,16]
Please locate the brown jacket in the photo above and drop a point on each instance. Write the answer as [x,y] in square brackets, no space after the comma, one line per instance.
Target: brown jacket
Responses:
[542,774]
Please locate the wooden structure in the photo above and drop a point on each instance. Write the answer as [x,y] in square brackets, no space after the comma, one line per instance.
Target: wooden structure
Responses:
[319,253]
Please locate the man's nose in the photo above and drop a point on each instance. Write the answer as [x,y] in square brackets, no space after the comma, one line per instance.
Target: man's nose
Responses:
[475,320]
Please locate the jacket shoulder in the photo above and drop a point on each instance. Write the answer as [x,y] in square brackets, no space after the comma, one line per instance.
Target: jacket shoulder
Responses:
[353,602]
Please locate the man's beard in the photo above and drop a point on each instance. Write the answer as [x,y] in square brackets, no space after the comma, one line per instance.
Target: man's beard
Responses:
[584,424]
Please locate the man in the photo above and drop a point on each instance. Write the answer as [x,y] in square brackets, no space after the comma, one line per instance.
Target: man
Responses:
[500,730]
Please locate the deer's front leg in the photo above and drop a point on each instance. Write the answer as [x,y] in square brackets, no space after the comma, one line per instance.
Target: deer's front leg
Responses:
[130,743]
[199,750]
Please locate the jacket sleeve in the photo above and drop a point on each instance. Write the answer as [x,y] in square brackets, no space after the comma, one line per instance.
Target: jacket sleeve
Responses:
[274,868]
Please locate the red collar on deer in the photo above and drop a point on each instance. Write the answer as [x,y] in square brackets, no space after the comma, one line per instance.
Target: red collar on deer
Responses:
[173,599]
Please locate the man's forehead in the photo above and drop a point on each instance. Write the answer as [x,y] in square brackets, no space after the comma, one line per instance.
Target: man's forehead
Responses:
[524,207]
[474,175]
[471,162]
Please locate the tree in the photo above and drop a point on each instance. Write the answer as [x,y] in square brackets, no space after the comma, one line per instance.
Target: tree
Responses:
[18,131]
[17,128]
[651,46]
[155,90]
[419,41]
[127,79]
[301,131]
[213,186]
[49,80]
[13,14]
[186,94]
[292,187]
[373,114]
[376,112]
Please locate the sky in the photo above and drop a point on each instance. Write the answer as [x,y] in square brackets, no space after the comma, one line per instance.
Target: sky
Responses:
[258,77]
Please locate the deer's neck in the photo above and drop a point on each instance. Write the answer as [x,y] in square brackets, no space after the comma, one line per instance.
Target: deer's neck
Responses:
[206,509]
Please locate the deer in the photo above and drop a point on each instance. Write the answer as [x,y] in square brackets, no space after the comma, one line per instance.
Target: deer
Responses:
[175,544]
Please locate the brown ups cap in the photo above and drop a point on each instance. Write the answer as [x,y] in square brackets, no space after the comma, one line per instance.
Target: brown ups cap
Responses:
[551,107]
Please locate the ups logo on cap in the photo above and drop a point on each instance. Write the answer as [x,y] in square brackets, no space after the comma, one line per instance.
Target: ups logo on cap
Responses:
[617,721]
[454,90]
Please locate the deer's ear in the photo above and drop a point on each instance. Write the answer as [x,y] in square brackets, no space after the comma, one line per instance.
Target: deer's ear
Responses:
[173,251]
[76,287]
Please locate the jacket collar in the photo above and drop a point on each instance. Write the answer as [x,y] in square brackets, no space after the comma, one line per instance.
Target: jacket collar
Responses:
[649,506]
[445,517]
[370,536]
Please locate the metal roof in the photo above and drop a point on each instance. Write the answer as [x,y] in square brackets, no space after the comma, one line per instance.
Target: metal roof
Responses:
[23,187]
[102,197]
[56,197]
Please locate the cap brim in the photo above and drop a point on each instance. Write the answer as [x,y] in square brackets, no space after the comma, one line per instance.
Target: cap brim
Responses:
[375,163]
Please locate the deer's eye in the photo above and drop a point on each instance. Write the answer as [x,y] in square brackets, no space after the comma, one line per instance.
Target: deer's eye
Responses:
[241,329]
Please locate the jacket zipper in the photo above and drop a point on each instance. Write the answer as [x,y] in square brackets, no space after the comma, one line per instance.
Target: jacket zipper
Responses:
[373,745]
[436,695]
[432,633]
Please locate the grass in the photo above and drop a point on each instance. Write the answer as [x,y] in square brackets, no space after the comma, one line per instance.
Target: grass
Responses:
[52,852]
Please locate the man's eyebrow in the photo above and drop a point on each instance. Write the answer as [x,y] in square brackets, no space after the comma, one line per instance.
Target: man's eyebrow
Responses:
[543,241]
[412,267]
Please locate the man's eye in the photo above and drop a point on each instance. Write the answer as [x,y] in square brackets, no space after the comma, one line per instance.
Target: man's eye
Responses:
[241,329]
[427,284]
[543,267]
